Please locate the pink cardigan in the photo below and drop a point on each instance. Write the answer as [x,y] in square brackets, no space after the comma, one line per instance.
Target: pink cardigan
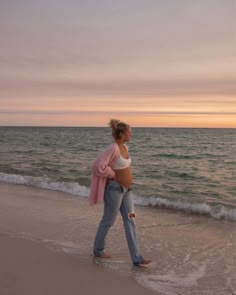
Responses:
[101,172]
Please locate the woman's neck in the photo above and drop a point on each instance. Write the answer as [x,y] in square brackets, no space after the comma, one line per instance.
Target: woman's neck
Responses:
[120,142]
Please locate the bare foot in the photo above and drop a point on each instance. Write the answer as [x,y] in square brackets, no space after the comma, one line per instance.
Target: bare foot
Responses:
[105,255]
[145,262]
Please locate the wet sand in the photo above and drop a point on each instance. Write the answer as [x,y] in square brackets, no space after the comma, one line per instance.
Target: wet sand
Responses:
[29,268]
[46,243]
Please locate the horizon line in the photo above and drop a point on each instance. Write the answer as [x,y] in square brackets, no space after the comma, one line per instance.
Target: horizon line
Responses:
[163,127]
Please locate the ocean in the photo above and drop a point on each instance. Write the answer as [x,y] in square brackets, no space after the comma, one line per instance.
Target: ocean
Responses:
[183,188]
[192,170]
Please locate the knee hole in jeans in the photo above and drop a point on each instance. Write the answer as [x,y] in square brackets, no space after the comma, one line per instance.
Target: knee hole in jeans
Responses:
[131,215]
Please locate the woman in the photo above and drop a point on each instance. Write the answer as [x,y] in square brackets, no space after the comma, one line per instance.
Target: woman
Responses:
[111,182]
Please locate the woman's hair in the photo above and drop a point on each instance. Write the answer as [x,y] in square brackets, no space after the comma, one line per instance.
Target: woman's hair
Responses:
[118,127]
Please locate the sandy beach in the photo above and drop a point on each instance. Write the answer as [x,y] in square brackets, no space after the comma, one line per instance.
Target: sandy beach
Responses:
[46,248]
[29,268]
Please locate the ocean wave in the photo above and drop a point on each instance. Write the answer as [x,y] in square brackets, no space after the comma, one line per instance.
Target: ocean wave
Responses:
[216,212]
[169,155]
[73,188]
[180,157]
[184,175]
[46,183]
[191,157]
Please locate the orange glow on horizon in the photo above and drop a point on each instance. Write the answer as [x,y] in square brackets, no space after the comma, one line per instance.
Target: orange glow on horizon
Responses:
[201,112]
[134,119]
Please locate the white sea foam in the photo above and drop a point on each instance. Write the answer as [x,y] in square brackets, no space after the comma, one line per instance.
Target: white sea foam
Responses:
[171,283]
[68,247]
[46,183]
[217,212]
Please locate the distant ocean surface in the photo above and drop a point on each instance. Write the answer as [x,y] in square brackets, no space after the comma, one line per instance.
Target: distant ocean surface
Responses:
[189,169]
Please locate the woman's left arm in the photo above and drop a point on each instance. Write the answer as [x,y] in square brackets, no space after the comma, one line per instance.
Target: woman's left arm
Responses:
[102,165]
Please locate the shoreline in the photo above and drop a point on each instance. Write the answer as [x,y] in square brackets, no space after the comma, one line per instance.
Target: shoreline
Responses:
[200,208]
[46,248]
[29,268]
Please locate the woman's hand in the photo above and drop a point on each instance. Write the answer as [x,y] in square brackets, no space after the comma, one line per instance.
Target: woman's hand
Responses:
[114,177]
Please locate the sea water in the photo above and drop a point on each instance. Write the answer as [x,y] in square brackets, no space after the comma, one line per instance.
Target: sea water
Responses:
[189,169]
[191,254]
[184,189]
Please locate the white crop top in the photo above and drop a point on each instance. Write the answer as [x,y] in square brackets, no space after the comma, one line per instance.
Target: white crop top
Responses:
[121,163]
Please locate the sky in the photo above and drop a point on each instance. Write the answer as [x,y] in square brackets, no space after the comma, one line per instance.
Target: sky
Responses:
[157,63]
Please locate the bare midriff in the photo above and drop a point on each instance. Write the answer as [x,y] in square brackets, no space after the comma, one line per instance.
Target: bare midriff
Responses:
[124,177]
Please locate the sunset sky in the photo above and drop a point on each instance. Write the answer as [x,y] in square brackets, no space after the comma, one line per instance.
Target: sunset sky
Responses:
[160,63]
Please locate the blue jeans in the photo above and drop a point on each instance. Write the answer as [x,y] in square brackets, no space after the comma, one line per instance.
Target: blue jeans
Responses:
[118,198]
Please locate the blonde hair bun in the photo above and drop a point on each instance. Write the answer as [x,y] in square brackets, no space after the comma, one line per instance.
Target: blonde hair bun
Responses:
[118,127]
[113,123]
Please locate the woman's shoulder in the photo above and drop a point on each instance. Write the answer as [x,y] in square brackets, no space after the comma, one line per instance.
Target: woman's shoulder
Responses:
[110,151]
[113,147]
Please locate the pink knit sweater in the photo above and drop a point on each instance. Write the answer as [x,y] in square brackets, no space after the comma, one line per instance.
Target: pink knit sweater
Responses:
[101,172]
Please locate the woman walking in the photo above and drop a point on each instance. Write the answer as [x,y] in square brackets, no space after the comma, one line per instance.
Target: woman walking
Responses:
[111,183]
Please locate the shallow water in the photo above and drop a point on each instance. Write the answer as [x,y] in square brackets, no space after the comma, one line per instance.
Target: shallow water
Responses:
[184,169]
[191,254]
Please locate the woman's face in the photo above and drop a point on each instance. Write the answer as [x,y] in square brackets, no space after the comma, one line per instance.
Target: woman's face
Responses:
[127,135]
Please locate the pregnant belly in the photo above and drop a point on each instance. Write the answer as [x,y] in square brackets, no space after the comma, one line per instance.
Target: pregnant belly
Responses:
[124,177]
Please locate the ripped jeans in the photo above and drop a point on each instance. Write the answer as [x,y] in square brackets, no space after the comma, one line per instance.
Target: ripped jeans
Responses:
[118,198]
